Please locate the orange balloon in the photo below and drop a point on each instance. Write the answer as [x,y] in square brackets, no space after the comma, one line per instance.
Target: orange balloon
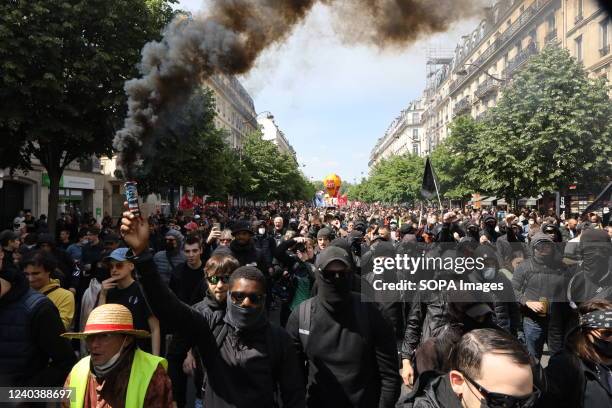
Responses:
[332,184]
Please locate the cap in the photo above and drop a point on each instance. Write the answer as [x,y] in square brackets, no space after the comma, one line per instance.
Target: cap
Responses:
[242,225]
[8,235]
[325,233]
[118,255]
[331,254]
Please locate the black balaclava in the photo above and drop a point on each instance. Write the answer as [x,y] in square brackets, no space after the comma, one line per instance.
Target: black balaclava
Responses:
[335,292]
[596,250]
[539,239]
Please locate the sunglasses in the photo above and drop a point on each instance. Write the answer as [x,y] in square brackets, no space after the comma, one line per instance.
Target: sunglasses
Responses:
[213,280]
[498,400]
[225,240]
[239,297]
[332,275]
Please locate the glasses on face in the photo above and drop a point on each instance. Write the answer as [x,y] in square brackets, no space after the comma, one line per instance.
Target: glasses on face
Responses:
[239,297]
[213,280]
[225,241]
[498,400]
[118,265]
[334,274]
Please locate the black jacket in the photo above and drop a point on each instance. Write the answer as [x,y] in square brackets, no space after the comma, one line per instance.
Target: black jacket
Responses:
[240,371]
[249,255]
[348,368]
[427,317]
[432,390]
[574,383]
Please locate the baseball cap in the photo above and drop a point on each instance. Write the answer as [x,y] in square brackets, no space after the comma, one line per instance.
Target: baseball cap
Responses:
[118,255]
[331,254]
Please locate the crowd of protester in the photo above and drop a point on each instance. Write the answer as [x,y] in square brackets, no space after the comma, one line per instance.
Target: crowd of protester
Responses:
[263,307]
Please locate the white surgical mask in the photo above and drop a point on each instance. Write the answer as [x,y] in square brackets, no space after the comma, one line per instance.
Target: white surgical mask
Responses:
[103,369]
[488,273]
[261,231]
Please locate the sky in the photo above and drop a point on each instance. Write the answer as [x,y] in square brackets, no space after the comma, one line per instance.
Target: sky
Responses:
[333,101]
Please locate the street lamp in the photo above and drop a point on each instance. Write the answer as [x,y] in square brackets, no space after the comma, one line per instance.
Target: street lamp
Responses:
[464,72]
[268,116]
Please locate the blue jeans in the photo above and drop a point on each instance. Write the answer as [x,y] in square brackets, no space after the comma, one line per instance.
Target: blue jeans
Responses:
[536,333]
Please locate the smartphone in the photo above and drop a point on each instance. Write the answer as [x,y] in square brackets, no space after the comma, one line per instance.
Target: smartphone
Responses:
[217,225]
[131,196]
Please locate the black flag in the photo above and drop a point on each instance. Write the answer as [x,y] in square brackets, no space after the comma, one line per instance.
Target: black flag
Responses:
[429,186]
[603,200]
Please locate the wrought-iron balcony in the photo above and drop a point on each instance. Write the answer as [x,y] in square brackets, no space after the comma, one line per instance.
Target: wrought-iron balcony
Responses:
[521,58]
[551,36]
[487,87]
[463,106]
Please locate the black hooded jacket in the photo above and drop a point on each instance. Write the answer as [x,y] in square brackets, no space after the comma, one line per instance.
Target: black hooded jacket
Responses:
[351,363]
[249,255]
[245,369]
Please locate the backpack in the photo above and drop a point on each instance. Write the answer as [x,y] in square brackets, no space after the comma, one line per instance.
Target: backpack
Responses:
[305,315]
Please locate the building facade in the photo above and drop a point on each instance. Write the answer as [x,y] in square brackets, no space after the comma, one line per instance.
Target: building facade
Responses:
[402,136]
[272,132]
[81,190]
[235,110]
[486,59]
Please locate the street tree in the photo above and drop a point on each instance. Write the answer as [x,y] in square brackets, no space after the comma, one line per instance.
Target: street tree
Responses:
[396,179]
[188,151]
[454,155]
[272,175]
[64,64]
[551,128]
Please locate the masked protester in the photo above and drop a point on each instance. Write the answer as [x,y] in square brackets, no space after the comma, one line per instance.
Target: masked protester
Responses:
[349,347]
[117,373]
[507,311]
[593,278]
[488,229]
[248,358]
[169,259]
[539,282]
[580,376]
[489,369]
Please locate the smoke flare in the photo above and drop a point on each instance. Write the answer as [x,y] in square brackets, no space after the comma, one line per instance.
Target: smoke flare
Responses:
[234,33]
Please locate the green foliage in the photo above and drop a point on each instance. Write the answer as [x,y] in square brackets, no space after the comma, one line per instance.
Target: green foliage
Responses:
[272,176]
[63,66]
[551,128]
[393,180]
[189,151]
[452,157]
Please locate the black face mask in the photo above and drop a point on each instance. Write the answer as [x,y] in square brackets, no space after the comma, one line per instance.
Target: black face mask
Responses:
[334,290]
[244,318]
[595,262]
[603,347]
[170,247]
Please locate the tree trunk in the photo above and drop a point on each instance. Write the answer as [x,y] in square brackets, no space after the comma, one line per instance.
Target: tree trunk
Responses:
[54,184]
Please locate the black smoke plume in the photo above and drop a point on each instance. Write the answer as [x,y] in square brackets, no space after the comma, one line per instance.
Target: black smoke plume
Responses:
[233,33]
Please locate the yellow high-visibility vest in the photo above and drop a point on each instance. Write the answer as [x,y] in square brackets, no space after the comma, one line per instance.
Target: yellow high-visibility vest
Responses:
[143,368]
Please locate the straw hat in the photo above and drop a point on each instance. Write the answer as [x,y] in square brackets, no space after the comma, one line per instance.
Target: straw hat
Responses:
[109,318]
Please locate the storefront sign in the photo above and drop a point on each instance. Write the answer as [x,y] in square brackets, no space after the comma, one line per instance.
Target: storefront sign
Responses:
[83,183]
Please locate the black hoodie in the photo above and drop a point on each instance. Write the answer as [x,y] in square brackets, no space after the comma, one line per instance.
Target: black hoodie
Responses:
[347,367]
